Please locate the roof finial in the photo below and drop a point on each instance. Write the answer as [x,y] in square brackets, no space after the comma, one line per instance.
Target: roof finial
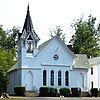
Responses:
[28,8]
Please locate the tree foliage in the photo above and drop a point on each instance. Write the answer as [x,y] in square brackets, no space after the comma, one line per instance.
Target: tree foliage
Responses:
[86,38]
[8,50]
[6,61]
[58,32]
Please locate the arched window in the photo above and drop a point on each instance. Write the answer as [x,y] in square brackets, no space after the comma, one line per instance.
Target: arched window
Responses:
[29,46]
[59,78]
[52,78]
[66,78]
[44,77]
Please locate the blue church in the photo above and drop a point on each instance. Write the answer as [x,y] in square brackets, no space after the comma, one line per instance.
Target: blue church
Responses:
[50,64]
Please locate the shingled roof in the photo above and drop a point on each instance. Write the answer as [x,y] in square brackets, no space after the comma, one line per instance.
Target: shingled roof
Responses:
[95,60]
[14,67]
[81,61]
[43,44]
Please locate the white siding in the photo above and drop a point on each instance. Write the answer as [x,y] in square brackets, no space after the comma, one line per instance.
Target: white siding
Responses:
[95,77]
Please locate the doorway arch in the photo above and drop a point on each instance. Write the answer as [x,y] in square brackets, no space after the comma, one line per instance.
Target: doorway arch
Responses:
[29,81]
[81,80]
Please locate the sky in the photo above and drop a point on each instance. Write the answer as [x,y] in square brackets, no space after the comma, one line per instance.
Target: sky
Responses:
[47,14]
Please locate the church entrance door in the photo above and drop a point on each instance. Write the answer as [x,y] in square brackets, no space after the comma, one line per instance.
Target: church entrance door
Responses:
[29,80]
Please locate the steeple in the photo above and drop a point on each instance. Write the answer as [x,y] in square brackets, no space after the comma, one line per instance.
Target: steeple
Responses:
[28,39]
[28,26]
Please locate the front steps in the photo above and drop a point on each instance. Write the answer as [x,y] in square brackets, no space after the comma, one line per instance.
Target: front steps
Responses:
[31,94]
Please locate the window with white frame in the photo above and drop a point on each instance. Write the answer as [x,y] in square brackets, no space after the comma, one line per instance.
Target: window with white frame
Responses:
[66,78]
[52,78]
[59,78]
[44,77]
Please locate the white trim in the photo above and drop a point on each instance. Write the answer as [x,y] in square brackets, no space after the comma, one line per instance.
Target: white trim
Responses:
[31,68]
[56,65]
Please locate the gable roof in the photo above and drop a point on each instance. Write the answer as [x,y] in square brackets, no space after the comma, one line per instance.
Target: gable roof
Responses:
[95,60]
[81,61]
[42,46]
[65,46]
[14,67]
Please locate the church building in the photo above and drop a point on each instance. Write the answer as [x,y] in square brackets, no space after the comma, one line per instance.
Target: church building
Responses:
[51,64]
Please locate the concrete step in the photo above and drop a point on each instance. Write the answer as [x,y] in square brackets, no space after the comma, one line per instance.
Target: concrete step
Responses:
[31,94]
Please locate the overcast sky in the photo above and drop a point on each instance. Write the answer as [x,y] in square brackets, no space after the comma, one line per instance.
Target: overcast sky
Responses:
[46,14]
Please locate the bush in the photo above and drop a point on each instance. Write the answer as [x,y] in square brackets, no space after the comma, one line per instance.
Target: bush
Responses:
[20,91]
[99,93]
[65,92]
[94,92]
[76,92]
[53,92]
[44,91]
[48,91]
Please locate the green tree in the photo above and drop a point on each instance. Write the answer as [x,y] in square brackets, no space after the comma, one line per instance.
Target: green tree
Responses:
[58,32]
[6,61]
[8,50]
[86,38]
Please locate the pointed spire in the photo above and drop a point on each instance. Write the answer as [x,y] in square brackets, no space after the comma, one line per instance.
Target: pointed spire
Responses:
[28,8]
[28,26]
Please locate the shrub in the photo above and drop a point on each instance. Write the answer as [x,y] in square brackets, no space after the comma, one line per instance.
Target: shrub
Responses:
[1,90]
[20,91]
[94,92]
[99,93]
[65,92]
[76,92]
[48,91]
[44,91]
[53,92]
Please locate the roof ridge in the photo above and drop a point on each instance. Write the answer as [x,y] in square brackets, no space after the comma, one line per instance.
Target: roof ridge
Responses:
[44,44]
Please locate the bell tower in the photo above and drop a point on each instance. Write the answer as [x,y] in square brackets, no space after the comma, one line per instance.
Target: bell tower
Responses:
[28,38]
